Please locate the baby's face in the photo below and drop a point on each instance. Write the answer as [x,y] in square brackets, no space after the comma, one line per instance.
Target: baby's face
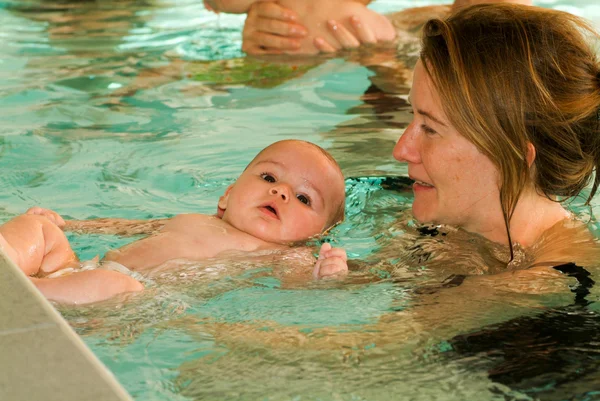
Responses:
[288,193]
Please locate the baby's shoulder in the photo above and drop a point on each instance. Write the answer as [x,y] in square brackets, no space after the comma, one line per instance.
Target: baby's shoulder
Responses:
[186,218]
[194,224]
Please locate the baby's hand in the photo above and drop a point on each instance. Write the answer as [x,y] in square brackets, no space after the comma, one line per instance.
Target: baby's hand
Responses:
[331,262]
[47,213]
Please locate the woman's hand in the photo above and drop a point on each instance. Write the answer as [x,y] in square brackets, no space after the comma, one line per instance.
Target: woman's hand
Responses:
[361,35]
[271,29]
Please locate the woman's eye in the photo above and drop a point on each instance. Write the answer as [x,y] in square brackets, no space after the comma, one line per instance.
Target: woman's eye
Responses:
[428,130]
[304,199]
[268,177]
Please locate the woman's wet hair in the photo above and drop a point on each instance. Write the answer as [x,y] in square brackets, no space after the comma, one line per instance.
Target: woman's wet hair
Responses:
[509,75]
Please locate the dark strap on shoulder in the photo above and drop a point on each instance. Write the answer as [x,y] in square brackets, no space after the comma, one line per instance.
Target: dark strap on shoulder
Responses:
[582,290]
[585,282]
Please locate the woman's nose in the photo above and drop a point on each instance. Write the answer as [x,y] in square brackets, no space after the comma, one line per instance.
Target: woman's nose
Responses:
[281,190]
[407,149]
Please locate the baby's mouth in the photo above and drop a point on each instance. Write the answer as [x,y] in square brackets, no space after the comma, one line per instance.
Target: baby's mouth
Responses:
[270,210]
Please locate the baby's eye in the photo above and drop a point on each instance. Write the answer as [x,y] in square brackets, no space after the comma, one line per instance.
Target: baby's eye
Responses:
[304,199]
[267,177]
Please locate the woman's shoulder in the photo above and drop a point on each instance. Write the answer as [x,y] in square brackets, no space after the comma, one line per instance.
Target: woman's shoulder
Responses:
[412,19]
[568,241]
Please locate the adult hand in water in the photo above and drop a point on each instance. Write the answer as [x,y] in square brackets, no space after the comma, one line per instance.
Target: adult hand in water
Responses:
[271,29]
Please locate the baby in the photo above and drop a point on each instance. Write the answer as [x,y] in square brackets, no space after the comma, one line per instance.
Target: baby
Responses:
[318,18]
[291,191]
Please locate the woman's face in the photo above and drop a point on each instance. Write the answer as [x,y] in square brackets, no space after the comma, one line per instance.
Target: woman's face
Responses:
[454,183]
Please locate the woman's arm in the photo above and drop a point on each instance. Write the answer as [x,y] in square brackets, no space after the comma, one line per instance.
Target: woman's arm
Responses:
[231,6]
[121,227]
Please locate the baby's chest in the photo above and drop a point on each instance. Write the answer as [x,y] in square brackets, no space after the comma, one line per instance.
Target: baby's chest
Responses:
[209,241]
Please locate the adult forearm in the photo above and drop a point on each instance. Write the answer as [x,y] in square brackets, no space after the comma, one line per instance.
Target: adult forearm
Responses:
[231,6]
[122,227]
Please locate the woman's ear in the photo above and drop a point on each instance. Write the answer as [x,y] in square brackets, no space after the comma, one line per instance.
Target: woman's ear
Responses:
[222,204]
[530,154]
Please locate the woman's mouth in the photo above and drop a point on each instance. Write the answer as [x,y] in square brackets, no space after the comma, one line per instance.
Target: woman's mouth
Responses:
[420,185]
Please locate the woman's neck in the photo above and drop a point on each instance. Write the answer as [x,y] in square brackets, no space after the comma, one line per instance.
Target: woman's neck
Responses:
[533,215]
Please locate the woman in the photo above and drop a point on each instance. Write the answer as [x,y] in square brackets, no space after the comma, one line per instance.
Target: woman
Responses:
[506,129]
[532,140]
[494,146]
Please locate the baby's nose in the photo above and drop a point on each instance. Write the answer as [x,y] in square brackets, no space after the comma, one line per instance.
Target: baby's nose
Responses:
[281,191]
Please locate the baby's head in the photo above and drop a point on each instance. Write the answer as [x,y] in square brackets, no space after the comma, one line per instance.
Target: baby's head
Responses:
[291,191]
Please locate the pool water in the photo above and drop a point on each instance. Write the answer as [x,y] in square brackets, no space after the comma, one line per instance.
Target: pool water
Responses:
[146,109]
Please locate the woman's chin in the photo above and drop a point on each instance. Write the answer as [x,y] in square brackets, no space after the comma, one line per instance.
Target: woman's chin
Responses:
[423,213]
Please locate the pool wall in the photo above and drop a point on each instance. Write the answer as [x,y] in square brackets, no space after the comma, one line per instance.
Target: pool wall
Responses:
[42,357]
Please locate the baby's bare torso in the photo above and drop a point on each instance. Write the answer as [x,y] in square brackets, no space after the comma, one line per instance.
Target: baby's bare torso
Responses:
[189,237]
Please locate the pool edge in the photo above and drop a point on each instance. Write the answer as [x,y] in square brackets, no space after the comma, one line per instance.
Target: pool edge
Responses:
[42,357]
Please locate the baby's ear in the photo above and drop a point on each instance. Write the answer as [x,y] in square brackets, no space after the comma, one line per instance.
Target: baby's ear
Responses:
[222,204]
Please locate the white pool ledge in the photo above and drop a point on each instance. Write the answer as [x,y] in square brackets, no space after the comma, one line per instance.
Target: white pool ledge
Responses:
[42,358]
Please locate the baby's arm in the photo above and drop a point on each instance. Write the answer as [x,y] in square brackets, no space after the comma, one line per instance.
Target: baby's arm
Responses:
[331,262]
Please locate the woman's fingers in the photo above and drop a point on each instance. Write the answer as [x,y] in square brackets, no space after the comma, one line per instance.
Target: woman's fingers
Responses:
[323,46]
[363,33]
[345,38]
[272,11]
[282,28]
[265,43]
[270,29]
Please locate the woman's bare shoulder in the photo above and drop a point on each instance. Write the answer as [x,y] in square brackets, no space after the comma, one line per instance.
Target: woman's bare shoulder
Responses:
[412,19]
[568,241]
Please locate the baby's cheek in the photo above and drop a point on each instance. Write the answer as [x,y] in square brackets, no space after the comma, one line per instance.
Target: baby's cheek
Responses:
[308,226]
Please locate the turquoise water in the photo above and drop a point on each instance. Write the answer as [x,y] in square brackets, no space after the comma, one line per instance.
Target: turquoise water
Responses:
[145,109]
